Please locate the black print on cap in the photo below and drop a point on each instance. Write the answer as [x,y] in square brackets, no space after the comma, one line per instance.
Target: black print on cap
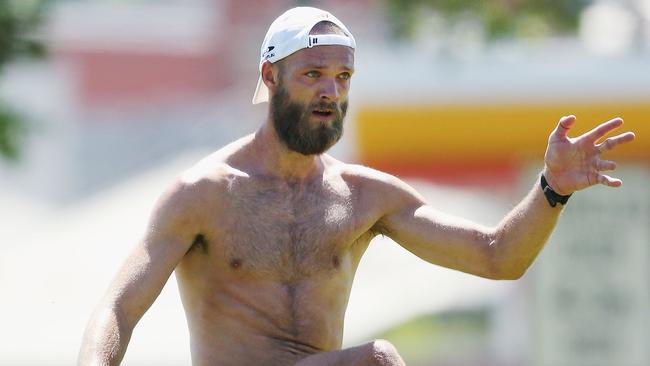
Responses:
[267,54]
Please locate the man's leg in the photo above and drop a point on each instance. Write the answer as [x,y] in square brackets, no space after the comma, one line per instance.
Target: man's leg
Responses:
[375,353]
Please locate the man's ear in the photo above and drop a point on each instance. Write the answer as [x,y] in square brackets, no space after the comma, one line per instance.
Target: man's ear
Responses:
[270,75]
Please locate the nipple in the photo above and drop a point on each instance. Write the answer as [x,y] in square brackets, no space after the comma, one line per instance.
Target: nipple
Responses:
[235,263]
[336,262]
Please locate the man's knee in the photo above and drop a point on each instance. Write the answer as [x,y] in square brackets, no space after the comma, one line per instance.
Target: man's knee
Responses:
[383,353]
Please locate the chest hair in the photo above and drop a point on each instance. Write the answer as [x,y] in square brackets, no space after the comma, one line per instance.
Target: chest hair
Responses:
[288,231]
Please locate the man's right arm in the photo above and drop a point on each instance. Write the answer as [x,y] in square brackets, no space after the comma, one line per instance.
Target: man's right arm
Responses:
[142,276]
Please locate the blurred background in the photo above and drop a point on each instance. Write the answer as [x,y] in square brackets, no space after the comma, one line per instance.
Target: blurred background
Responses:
[104,102]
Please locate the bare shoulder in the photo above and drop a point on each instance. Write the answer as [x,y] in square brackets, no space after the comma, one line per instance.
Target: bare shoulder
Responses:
[215,168]
[374,184]
[199,186]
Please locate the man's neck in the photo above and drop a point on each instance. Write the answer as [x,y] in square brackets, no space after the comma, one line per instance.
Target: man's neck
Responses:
[276,160]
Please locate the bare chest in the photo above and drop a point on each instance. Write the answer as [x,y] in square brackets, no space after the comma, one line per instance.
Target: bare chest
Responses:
[286,233]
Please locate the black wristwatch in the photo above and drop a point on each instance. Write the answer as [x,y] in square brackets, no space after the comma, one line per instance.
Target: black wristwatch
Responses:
[552,197]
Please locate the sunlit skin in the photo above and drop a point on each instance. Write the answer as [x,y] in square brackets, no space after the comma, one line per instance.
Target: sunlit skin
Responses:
[322,82]
[573,164]
[313,74]
[265,241]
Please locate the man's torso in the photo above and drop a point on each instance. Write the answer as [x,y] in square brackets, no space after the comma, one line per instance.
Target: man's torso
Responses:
[268,276]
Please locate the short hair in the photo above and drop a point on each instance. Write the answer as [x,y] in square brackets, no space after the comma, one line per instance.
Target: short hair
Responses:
[326,27]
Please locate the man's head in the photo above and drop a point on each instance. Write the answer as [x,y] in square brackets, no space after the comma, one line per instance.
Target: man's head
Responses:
[306,63]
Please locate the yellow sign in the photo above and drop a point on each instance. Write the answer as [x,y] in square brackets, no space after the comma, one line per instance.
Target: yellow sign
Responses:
[422,137]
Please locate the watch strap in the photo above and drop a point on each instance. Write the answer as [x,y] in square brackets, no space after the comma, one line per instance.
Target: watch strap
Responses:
[552,197]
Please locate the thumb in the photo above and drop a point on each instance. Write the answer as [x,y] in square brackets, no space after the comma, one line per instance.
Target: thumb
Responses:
[563,127]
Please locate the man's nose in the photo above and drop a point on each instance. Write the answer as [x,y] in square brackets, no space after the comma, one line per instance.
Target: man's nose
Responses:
[330,90]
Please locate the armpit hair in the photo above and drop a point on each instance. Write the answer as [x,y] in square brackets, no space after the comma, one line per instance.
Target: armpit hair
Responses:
[199,243]
[379,229]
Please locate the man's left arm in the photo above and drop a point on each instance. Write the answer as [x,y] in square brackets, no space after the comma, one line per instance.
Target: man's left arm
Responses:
[507,250]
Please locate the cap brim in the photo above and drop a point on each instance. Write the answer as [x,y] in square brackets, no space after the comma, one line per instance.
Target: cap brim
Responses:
[261,92]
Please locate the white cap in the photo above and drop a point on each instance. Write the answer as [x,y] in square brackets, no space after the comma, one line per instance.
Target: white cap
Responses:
[290,33]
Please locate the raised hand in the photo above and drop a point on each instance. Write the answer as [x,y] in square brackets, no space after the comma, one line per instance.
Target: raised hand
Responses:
[573,164]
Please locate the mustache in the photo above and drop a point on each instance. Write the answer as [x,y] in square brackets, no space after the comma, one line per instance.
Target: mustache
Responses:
[324,105]
[338,109]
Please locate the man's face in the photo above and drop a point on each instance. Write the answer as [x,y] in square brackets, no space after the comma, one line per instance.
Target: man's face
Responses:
[310,100]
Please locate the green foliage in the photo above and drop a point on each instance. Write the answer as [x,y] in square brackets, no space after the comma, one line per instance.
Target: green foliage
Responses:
[500,18]
[11,133]
[18,21]
[436,339]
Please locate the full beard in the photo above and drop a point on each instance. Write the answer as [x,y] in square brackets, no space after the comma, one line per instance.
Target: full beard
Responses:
[291,122]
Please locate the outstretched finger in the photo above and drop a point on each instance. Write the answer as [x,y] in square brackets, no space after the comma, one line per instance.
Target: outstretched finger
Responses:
[612,142]
[603,129]
[609,181]
[563,127]
[604,165]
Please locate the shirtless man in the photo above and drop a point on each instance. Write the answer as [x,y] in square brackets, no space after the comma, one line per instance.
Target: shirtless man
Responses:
[265,235]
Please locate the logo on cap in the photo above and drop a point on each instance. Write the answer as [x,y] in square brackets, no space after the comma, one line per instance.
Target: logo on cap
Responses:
[267,54]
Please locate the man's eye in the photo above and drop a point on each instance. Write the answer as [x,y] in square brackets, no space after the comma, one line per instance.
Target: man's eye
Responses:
[345,76]
[312,74]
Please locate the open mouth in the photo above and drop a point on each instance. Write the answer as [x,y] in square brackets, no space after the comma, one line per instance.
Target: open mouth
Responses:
[322,112]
